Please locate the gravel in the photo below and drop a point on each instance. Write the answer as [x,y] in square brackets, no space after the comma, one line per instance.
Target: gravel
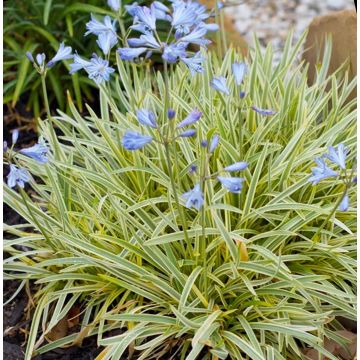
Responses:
[271,20]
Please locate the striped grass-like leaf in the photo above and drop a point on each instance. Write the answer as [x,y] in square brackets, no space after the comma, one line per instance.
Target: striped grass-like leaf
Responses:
[103,228]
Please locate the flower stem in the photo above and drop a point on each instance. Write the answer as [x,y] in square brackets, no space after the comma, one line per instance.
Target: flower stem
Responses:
[52,122]
[174,189]
[168,159]
[240,122]
[122,29]
[203,237]
[315,237]
[46,100]
[167,90]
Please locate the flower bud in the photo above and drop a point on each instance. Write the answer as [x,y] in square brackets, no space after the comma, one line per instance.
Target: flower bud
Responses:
[171,114]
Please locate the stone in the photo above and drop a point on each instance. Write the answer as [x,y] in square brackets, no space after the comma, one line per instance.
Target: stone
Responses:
[242,26]
[335,4]
[342,27]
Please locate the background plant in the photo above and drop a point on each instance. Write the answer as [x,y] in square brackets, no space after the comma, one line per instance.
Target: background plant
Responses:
[40,26]
[107,232]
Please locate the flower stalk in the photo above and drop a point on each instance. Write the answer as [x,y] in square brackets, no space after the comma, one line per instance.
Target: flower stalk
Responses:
[174,189]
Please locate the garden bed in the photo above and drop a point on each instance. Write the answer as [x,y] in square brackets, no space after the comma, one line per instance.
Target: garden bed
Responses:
[207,211]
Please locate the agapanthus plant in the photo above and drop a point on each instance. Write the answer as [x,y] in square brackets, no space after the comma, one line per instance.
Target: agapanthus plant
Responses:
[337,158]
[180,217]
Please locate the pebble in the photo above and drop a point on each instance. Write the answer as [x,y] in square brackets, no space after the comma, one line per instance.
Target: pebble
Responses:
[335,4]
[272,20]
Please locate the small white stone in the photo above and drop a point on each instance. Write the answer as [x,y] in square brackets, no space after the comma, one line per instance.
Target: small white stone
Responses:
[244,11]
[335,4]
[302,9]
[302,24]
[242,26]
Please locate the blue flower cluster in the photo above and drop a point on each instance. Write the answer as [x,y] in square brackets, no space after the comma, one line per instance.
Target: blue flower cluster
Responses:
[187,26]
[98,69]
[195,198]
[63,53]
[38,152]
[133,140]
[239,70]
[337,157]
[105,31]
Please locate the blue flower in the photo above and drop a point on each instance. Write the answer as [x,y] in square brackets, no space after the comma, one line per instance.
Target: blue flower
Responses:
[196,36]
[192,118]
[193,169]
[130,54]
[63,53]
[186,15]
[204,143]
[239,70]
[220,5]
[232,184]
[173,52]
[134,141]
[242,94]
[147,118]
[5,146]
[219,83]
[210,27]
[105,31]
[199,10]
[160,6]
[141,28]
[15,136]
[181,31]
[78,64]
[194,198]
[194,63]
[114,4]
[131,9]
[171,114]
[37,152]
[265,112]
[183,15]
[17,176]
[161,11]
[238,166]
[146,15]
[106,41]
[214,142]
[322,171]
[344,205]
[145,40]
[188,133]
[99,69]
[96,27]
[40,58]
[338,155]
[30,56]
